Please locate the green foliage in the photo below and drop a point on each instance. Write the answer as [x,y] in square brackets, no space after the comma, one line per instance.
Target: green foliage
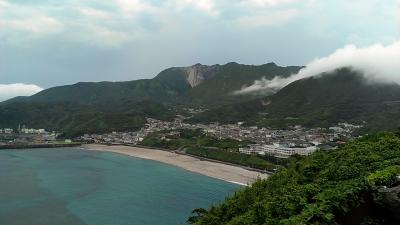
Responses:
[232,157]
[76,119]
[104,106]
[196,143]
[342,96]
[320,189]
[232,77]
[384,177]
[197,214]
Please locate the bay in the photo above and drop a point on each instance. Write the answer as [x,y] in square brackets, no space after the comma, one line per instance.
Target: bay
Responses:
[71,186]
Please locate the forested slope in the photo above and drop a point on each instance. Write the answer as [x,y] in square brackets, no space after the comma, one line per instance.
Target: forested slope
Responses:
[344,186]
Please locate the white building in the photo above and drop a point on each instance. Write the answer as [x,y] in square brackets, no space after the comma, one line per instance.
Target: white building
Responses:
[277,150]
[8,130]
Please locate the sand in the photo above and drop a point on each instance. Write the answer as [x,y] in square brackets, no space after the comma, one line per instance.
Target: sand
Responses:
[229,173]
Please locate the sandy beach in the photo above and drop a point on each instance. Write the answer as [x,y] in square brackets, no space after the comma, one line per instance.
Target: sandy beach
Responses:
[220,171]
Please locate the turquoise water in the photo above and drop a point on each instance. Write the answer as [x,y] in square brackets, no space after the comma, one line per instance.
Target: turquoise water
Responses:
[76,187]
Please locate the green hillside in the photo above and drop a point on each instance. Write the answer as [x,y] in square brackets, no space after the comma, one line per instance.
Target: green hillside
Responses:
[106,92]
[345,186]
[168,86]
[106,106]
[76,119]
[342,96]
[232,77]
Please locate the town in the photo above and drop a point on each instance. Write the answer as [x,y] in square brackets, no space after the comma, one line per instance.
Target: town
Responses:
[296,140]
[272,142]
[24,137]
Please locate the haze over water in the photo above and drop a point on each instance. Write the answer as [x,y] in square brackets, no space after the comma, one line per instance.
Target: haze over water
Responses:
[77,187]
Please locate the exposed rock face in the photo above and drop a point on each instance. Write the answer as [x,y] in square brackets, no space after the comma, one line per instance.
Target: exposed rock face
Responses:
[391,199]
[197,74]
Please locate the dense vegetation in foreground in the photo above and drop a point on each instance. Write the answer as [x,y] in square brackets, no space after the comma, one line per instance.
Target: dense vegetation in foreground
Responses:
[195,142]
[343,186]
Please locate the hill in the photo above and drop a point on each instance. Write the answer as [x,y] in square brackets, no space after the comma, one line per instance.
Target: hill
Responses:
[107,92]
[105,106]
[341,96]
[76,119]
[228,78]
[356,184]
[200,83]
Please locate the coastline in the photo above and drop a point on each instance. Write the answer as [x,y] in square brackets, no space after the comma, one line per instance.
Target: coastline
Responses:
[30,146]
[229,173]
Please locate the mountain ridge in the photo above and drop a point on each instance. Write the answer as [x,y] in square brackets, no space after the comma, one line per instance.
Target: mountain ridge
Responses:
[320,101]
[339,96]
[171,82]
[101,102]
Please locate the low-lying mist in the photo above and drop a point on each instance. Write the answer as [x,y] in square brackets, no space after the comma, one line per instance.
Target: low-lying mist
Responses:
[378,63]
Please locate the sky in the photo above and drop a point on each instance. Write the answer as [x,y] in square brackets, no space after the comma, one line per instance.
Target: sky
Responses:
[45,43]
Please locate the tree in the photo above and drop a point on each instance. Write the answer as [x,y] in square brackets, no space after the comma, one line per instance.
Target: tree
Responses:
[197,214]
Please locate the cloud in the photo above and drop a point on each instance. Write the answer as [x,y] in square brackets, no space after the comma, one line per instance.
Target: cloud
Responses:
[207,6]
[21,22]
[271,19]
[269,2]
[379,63]
[132,8]
[109,38]
[271,13]
[8,91]
[261,87]
[94,13]
[83,24]
[74,40]
[37,24]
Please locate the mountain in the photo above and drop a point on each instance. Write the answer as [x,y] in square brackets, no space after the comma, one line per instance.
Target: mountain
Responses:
[107,92]
[340,96]
[106,106]
[198,83]
[356,184]
[213,85]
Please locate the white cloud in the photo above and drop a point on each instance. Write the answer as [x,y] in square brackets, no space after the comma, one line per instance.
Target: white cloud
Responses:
[263,87]
[207,6]
[275,3]
[397,12]
[22,22]
[268,2]
[94,13]
[8,91]
[132,8]
[274,18]
[379,63]
[267,13]
[37,24]
[109,37]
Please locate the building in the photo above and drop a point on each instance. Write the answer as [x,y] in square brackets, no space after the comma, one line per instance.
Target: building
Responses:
[277,150]
[8,131]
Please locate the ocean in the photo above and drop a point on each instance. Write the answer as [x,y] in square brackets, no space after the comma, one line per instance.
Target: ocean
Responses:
[70,186]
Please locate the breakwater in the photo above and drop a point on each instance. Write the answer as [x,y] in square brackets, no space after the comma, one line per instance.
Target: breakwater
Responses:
[30,146]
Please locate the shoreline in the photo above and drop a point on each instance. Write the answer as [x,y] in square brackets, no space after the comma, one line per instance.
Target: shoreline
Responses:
[30,146]
[229,173]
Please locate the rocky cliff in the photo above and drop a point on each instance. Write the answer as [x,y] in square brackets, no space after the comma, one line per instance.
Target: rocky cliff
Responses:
[197,74]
